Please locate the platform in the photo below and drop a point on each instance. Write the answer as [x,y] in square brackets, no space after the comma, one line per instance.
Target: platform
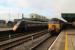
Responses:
[5,29]
[64,41]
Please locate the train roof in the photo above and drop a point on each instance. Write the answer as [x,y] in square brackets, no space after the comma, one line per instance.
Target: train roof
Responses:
[33,21]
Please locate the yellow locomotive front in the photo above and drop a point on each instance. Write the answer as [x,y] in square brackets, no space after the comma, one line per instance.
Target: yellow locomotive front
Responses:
[53,27]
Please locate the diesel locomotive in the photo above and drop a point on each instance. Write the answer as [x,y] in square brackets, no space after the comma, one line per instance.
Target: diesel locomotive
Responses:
[55,26]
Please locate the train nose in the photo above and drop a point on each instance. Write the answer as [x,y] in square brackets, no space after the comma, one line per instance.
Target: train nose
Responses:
[14,28]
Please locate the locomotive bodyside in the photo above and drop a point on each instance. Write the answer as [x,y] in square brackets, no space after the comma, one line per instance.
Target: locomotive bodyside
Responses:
[29,26]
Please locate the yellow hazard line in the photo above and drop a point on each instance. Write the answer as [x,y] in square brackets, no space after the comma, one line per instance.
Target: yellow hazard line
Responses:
[66,41]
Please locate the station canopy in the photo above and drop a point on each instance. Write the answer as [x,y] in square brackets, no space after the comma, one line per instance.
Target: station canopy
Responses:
[70,17]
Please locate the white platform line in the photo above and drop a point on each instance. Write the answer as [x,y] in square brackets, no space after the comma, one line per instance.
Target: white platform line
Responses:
[54,42]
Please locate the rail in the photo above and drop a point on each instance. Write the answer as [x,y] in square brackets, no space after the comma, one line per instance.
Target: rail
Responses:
[5,45]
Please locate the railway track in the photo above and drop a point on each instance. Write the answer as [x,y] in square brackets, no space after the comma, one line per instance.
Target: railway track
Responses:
[10,35]
[45,44]
[6,45]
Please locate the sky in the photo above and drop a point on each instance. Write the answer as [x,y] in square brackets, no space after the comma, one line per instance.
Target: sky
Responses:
[10,9]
